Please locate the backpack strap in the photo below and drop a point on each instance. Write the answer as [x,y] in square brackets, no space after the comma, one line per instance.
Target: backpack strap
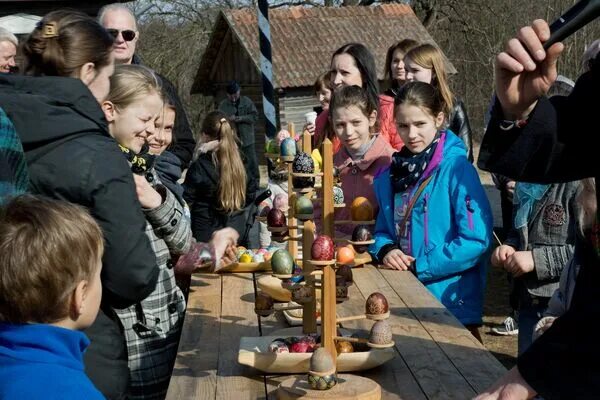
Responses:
[413,201]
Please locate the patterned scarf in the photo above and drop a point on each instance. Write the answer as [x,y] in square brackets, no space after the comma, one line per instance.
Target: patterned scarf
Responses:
[407,168]
[140,163]
[14,178]
[526,195]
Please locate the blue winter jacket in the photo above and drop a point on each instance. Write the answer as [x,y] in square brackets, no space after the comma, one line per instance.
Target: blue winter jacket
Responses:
[40,361]
[451,231]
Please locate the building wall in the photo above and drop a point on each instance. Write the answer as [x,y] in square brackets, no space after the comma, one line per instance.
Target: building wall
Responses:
[294,103]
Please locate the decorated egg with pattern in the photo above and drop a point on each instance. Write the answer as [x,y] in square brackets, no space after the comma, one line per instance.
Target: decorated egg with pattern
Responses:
[322,248]
[344,272]
[376,304]
[381,332]
[303,164]
[344,255]
[287,147]
[343,346]
[263,302]
[338,195]
[278,346]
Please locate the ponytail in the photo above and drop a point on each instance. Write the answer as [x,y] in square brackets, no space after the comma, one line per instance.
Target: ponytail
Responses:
[232,172]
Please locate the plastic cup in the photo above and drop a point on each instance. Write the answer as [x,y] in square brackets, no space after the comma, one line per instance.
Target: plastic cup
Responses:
[310,117]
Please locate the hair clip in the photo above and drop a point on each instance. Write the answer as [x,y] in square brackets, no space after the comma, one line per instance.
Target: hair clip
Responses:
[222,120]
[49,30]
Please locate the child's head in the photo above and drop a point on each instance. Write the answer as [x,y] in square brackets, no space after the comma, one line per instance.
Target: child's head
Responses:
[353,117]
[162,137]
[50,262]
[394,60]
[133,105]
[232,172]
[419,114]
[425,63]
[71,44]
[323,89]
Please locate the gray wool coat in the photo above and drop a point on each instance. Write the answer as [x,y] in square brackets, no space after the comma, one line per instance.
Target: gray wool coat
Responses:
[550,235]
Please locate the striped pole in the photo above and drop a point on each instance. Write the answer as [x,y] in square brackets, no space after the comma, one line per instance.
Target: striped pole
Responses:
[266,67]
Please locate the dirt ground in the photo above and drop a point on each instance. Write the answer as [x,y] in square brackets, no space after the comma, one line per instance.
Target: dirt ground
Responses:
[496,307]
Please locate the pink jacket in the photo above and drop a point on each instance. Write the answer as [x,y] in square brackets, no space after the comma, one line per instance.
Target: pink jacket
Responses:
[386,122]
[357,179]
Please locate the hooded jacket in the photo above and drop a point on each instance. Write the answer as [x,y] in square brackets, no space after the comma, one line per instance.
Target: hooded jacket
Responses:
[451,231]
[71,157]
[42,361]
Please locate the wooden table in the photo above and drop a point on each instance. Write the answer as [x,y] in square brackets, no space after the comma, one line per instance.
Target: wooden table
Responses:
[437,357]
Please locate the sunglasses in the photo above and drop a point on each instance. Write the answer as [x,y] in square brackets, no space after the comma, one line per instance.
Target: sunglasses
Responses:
[128,34]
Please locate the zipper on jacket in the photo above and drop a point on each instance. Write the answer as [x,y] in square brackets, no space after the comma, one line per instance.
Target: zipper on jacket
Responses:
[470,212]
[426,220]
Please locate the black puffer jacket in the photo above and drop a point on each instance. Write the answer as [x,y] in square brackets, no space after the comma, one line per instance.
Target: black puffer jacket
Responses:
[71,156]
[201,194]
[458,123]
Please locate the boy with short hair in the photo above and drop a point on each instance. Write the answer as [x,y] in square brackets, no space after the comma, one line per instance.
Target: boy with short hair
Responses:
[50,263]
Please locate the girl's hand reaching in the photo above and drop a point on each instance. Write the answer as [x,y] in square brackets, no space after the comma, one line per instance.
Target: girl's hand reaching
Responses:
[396,259]
[222,240]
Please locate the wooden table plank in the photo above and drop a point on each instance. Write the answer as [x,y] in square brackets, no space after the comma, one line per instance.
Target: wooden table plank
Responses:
[433,370]
[395,378]
[195,371]
[236,381]
[477,365]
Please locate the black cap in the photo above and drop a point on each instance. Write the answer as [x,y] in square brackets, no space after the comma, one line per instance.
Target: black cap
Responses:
[232,87]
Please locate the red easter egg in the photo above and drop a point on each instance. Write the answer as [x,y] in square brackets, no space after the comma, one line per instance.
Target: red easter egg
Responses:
[322,248]
[300,347]
[276,218]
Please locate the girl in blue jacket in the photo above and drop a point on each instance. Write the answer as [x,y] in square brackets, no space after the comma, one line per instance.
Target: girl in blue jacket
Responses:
[434,219]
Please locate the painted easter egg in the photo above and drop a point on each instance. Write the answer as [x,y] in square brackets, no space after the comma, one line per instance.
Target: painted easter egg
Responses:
[302,295]
[300,347]
[276,218]
[344,255]
[376,304]
[343,346]
[245,258]
[258,258]
[321,361]
[303,205]
[282,262]
[338,195]
[361,233]
[381,332]
[318,382]
[263,302]
[322,248]
[278,346]
[281,136]
[341,291]
[361,209]
[287,147]
[304,164]
[280,201]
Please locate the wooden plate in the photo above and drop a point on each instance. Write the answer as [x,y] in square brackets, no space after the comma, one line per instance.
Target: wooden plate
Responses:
[254,353]
[246,267]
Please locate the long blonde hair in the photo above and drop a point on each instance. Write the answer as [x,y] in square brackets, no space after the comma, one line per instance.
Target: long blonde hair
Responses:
[232,173]
[131,83]
[430,57]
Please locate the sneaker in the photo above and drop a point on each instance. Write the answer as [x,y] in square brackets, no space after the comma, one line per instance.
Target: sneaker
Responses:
[508,328]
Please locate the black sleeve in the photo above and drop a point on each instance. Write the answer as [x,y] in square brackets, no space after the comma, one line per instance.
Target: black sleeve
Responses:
[462,128]
[563,362]
[129,267]
[556,145]
[184,143]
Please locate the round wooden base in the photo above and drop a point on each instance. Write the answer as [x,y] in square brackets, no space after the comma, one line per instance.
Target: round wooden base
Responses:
[349,387]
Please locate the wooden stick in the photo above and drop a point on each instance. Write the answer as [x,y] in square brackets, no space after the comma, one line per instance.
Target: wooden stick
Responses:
[497,238]
[351,318]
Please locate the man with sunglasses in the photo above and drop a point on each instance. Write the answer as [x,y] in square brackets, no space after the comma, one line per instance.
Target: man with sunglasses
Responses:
[120,22]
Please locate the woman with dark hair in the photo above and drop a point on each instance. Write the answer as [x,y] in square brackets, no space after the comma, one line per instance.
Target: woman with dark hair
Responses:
[395,73]
[353,64]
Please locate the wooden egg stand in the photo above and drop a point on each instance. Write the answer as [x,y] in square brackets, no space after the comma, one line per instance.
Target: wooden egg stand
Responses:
[349,386]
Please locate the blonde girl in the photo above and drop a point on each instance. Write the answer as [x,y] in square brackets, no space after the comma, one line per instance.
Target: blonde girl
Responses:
[217,187]
[426,63]
[152,326]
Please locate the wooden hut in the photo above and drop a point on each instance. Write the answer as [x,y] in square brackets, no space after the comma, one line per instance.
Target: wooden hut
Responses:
[303,40]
